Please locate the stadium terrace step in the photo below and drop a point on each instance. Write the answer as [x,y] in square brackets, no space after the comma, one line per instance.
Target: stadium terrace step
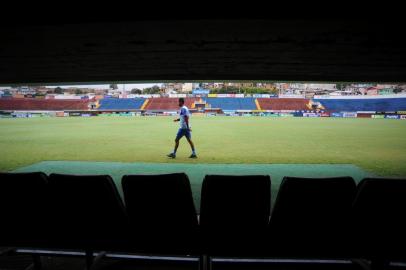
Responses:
[355,105]
[232,103]
[288,104]
[43,104]
[121,104]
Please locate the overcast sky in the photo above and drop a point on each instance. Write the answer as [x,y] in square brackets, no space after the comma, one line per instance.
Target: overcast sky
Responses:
[128,86]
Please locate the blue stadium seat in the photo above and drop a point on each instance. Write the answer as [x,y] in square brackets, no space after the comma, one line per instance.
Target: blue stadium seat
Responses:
[353,105]
[232,103]
[247,103]
[121,103]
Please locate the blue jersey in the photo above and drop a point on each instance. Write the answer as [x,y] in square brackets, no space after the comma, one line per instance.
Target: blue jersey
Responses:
[184,112]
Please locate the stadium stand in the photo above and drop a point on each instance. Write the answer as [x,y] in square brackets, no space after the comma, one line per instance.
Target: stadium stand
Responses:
[86,213]
[227,104]
[146,102]
[288,104]
[30,104]
[232,103]
[308,209]
[114,104]
[161,207]
[168,104]
[354,105]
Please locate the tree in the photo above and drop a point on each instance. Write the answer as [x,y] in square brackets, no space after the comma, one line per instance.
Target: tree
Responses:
[259,90]
[136,91]
[113,86]
[152,90]
[274,91]
[58,90]
[225,90]
[78,92]
[342,86]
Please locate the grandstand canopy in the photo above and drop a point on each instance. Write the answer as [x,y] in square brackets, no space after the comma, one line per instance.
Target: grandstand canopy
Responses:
[285,48]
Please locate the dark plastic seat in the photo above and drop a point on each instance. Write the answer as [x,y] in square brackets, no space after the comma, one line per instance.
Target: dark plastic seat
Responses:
[23,200]
[311,217]
[162,214]
[234,214]
[379,219]
[87,212]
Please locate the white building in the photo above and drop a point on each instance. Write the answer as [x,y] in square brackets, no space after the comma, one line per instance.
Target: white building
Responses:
[113,91]
[362,85]
[383,86]
[170,87]
[187,87]
[322,86]
[313,86]
[25,90]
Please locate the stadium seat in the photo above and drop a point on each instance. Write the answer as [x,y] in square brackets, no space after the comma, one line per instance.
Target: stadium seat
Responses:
[379,219]
[112,104]
[234,214]
[233,104]
[23,199]
[289,104]
[87,212]
[168,104]
[363,104]
[32,104]
[162,214]
[310,217]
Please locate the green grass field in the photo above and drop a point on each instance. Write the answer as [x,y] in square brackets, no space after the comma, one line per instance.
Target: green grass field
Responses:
[376,145]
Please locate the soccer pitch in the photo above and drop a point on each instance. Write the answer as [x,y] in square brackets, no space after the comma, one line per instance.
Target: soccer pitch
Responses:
[377,146]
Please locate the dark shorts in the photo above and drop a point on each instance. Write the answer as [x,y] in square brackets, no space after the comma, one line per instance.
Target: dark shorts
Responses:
[183,132]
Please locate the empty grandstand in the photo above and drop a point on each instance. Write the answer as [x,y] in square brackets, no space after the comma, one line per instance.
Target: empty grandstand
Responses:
[227,103]
[354,104]
[284,104]
[167,104]
[120,104]
[30,104]
[217,105]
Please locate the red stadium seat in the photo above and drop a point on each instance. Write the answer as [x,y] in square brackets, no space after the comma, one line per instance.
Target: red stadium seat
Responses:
[168,104]
[288,104]
[29,104]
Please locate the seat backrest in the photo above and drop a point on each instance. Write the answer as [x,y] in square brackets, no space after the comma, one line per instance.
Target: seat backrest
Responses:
[312,205]
[235,203]
[160,202]
[162,214]
[23,201]
[87,209]
[379,216]
[311,217]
